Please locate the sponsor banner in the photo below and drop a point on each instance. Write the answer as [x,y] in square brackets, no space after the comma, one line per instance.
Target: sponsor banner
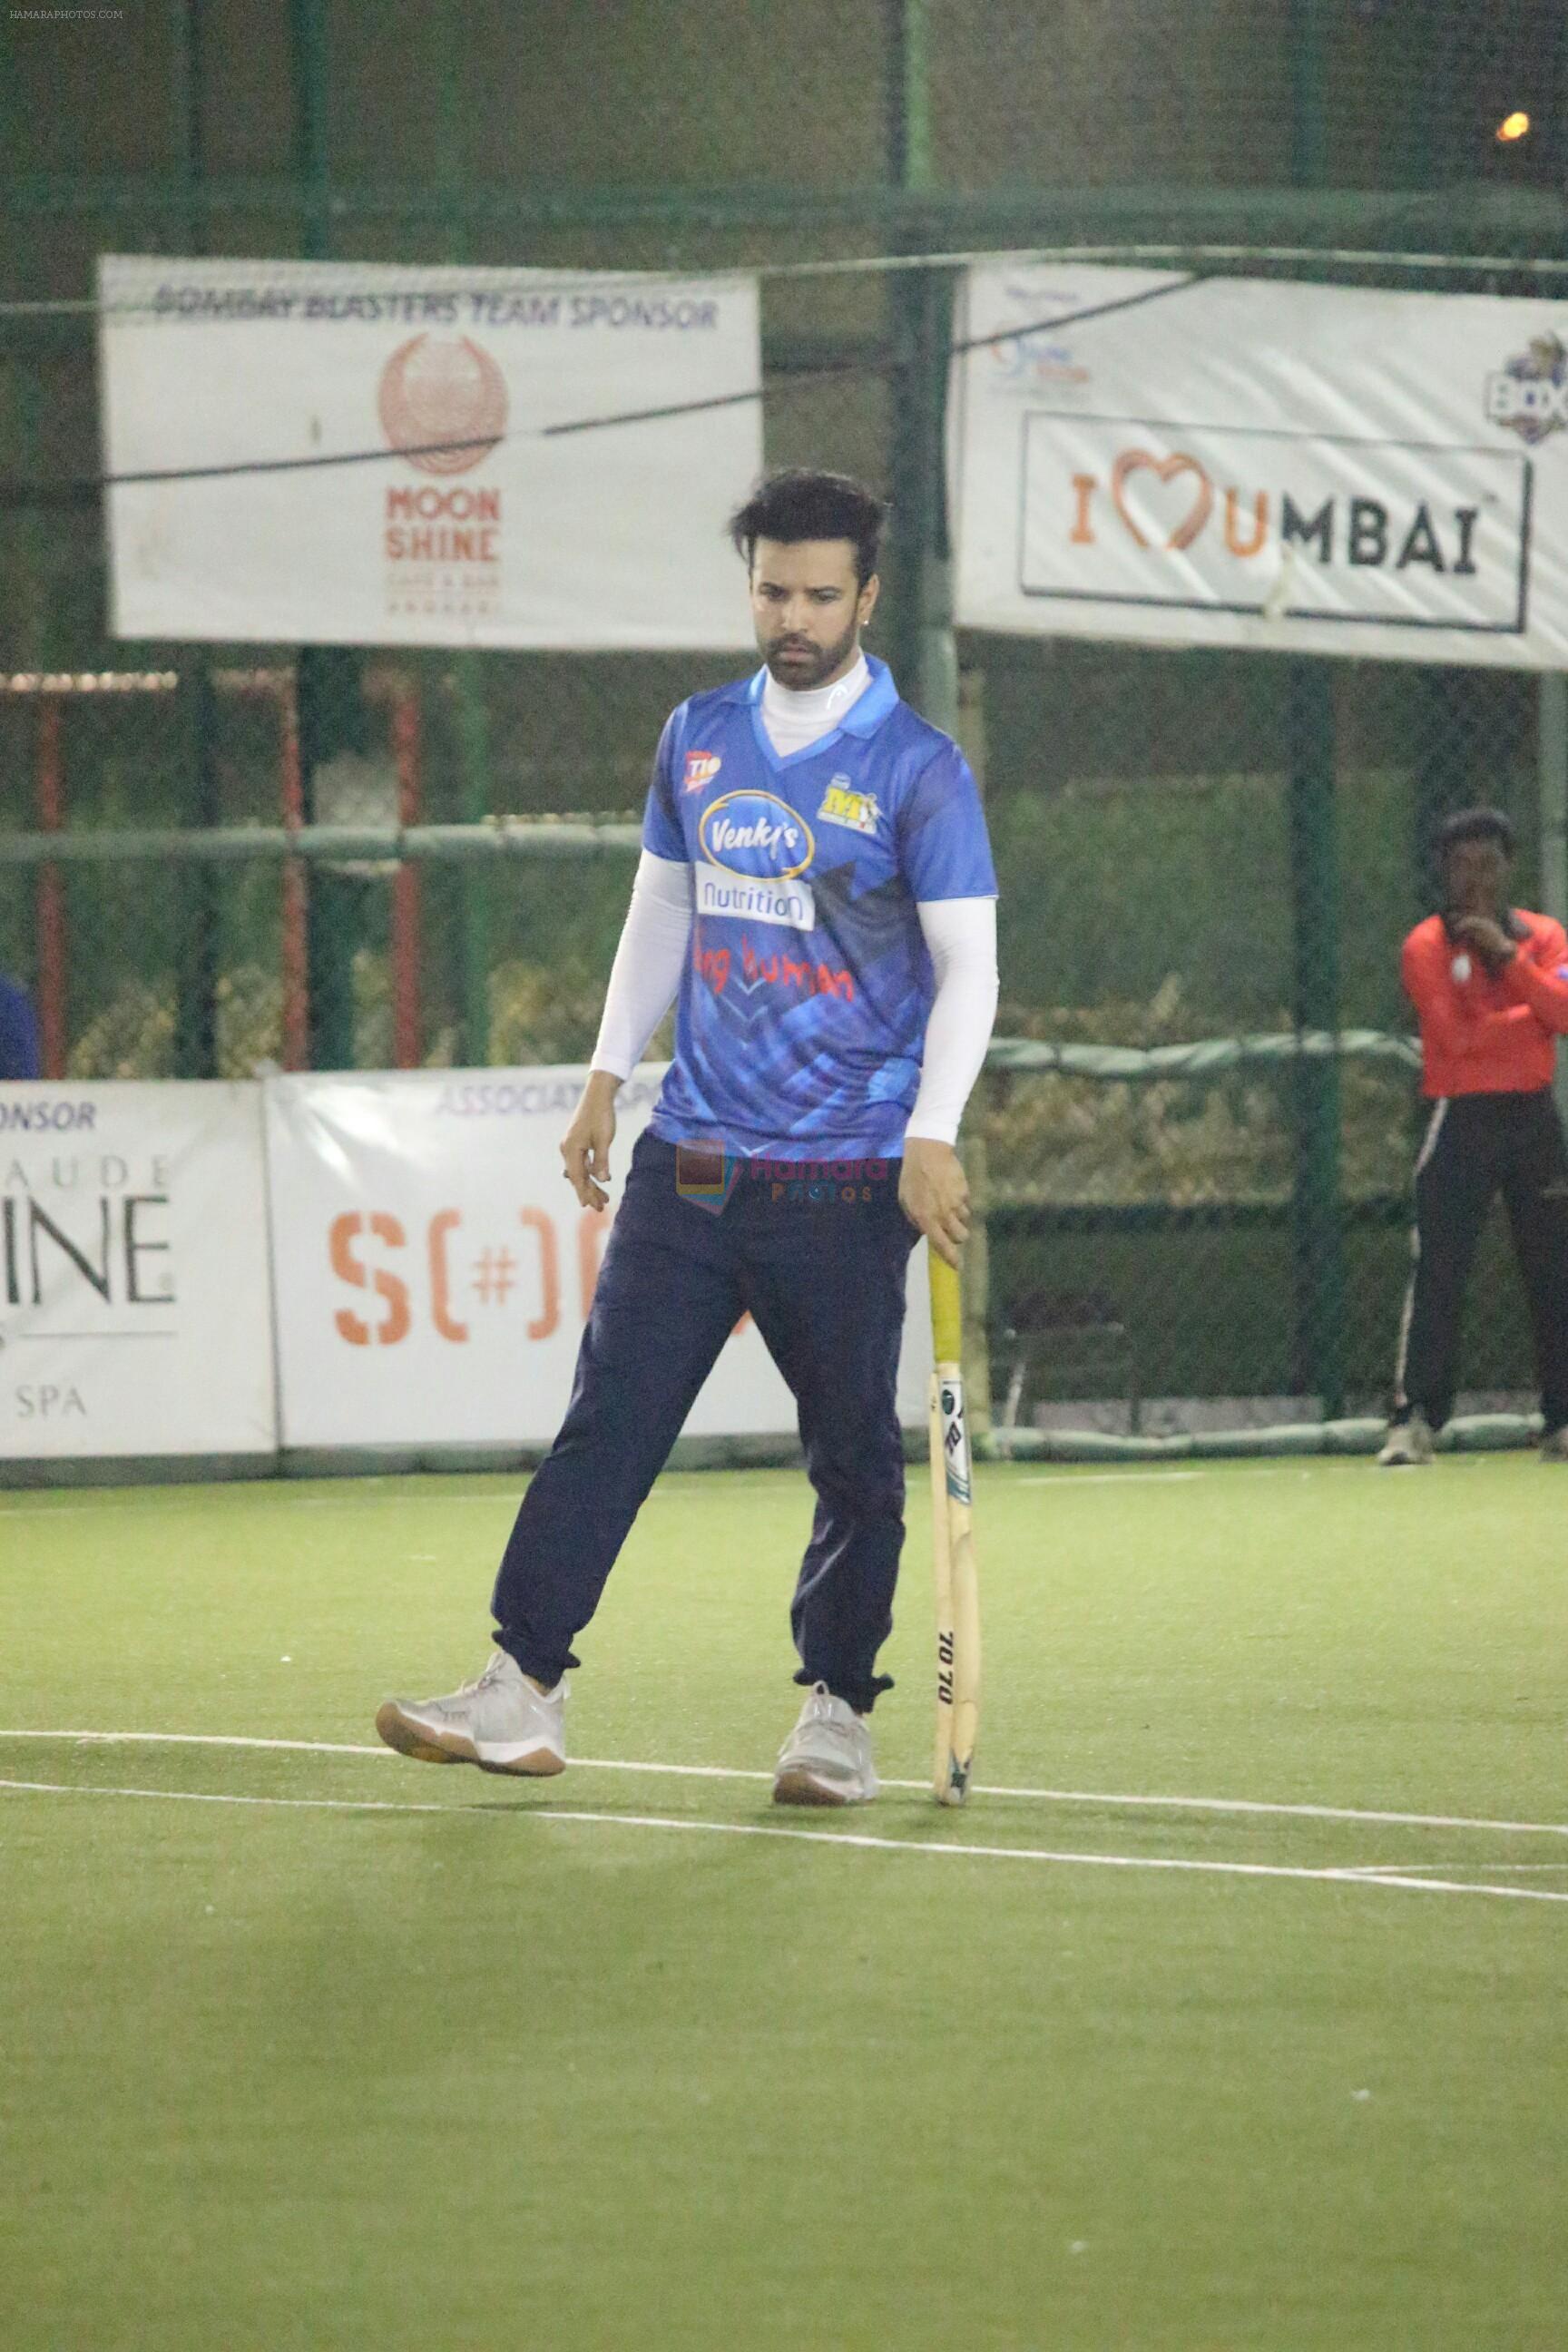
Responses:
[1292,468]
[467,516]
[134,1308]
[756,847]
[434,1271]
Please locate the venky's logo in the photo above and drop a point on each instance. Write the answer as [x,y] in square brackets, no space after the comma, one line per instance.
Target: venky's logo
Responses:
[1530,394]
[756,834]
[434,392]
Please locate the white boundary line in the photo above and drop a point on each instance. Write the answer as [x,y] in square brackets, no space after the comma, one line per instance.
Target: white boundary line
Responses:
[1260,1805]
[1377,1869]
[286,1493]
[115,1500]
[739,1772]
[1065,1477]
[1339,1877]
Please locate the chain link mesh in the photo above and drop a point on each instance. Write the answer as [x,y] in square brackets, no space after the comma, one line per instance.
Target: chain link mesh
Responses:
[1191,844]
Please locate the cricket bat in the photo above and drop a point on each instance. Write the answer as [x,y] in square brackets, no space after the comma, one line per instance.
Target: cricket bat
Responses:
[957,1591]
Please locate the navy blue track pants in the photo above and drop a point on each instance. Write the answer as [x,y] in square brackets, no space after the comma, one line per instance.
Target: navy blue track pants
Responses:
[823,1277]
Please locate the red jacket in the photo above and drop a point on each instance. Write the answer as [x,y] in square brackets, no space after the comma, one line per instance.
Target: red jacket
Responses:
[1483,1034]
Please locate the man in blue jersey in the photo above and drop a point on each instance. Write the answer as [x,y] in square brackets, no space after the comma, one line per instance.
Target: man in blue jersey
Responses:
[816,888]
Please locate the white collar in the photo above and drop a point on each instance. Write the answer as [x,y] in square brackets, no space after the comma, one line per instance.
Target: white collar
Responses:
[803,716]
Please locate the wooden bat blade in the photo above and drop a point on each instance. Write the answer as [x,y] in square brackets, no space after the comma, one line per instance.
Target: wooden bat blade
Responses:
[965,1654]
[941,1767]
[952,1538]
[957,1543]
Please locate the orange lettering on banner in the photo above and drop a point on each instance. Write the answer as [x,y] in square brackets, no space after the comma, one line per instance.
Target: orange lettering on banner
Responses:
[1133,461]
[1081,534]
[550,1272]
[441,1225]
[1259,523]
[593,1229]
[343,1231]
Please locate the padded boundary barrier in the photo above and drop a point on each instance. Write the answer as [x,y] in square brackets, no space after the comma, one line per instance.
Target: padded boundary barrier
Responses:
[1482,1432]
[1477,1433]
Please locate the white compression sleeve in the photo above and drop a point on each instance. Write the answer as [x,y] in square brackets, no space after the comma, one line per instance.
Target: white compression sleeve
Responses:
[648,962]
[961,935]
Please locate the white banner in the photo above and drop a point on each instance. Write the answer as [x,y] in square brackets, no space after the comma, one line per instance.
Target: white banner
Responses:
[134,1313]
[434,1272]
[1290,468]
[244,382]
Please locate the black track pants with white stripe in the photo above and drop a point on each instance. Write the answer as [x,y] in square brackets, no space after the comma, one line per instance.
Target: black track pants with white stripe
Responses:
[1475,1147]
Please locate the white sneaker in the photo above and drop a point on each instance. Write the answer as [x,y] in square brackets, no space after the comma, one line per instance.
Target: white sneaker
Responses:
[499,1721]
[1555,1447]
[827,1759]
[1408,1445]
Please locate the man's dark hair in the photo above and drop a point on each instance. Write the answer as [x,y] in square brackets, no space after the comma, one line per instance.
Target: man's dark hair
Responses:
[799,504]
[1476,824]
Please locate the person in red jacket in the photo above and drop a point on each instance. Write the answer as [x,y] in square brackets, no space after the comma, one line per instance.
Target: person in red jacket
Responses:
[1489,984]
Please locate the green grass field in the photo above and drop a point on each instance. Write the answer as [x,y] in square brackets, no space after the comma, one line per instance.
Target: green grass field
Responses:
[361,2053]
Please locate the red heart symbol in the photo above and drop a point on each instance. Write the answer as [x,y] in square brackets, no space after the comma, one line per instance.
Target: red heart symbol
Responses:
[1133,461]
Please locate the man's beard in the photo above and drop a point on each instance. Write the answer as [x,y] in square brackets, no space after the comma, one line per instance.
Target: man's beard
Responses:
[817,662]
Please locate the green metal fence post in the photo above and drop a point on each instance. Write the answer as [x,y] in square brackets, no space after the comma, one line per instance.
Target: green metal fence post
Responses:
[196,970]
[1319,1263]
[1309,94]
[922,316]
[920,631]
[1319,1260]
[331,707]
[925,652]
[472,712]
[38,647]
[332,720]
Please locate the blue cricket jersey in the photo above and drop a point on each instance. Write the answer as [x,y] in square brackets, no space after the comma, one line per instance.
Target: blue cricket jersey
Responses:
[802,1008]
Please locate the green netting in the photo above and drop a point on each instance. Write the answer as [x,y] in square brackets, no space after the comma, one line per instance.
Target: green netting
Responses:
[1195,1147]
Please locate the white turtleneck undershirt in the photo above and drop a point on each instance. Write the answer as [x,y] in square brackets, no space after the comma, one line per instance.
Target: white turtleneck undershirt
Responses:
[960,936]
[795,720]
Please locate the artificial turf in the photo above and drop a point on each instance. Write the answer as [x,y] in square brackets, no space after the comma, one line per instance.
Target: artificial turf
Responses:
[333,2074]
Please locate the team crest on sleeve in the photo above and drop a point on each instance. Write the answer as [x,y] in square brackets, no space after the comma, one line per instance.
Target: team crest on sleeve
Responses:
[701,767]
[842,804]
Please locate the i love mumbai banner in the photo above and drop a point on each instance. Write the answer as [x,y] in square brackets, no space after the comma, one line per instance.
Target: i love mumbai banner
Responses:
[434,1271]
[135,1317]
[1146,457]
[359,454]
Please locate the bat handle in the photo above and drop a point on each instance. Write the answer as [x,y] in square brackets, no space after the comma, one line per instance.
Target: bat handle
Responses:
[946,1311]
